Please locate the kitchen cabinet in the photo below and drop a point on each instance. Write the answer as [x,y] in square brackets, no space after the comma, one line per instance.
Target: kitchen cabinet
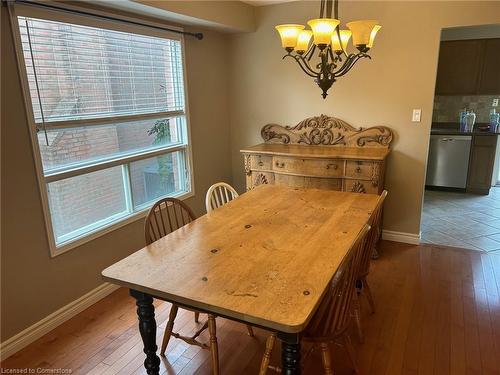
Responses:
[490,75]
[481,162]
[458,67]
[468,67]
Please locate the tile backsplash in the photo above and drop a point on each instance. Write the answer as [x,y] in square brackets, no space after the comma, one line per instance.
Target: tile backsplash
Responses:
[447,108]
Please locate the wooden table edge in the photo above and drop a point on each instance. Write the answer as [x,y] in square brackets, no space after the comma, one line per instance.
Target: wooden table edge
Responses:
[193,304]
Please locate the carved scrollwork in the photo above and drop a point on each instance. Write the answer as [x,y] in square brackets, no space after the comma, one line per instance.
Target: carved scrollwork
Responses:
[248,169]
[327,131]
[375,174]
[358,187]
[261,179]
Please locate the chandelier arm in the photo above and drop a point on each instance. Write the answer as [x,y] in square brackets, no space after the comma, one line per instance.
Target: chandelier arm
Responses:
[303,65]
[354,61]
[346,66]
[321,7]
[306,67]
[331,54]
[311,52]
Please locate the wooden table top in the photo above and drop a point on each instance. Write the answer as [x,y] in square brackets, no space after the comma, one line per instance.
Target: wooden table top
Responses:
[325,152]
[265,258]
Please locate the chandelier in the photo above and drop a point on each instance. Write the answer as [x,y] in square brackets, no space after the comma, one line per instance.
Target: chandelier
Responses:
[330,41]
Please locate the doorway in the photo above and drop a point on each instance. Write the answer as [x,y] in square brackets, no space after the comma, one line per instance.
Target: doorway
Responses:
[462,196]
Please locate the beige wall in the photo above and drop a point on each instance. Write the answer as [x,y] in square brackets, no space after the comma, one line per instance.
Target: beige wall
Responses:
[35,285]
[382,91]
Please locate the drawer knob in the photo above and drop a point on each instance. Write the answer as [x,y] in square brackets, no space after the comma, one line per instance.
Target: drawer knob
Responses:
[280,165]
[358,170]
[261,163]
[333,166]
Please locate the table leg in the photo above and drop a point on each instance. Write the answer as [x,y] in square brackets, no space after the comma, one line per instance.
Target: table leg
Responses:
[147,328]
[290,353]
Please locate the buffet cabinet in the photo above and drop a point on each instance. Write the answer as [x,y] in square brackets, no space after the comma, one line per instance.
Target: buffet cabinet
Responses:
[320,152]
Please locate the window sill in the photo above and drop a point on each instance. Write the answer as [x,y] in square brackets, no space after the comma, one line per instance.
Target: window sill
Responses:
[61,249]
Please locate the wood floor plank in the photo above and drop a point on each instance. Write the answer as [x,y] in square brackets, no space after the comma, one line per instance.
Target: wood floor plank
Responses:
[402,329]
[428,339]
[438,312]
[443,334]
[457,339]
[472,352]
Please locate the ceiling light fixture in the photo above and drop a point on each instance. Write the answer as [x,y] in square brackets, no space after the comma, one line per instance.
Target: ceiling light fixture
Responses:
[330,41]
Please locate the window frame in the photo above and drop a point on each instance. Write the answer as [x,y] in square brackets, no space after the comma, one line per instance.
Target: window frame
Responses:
[44,179]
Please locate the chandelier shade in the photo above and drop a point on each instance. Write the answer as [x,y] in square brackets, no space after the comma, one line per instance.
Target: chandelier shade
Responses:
[374,32]
[341,45]
[361,31]
[330,41]
[289,34]
[323,29]
[303,41]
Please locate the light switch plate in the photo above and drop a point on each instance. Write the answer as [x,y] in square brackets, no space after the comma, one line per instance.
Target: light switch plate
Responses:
[417,113]
[495,103]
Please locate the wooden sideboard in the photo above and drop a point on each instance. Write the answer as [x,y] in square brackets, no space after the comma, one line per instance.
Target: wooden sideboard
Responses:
[320,152]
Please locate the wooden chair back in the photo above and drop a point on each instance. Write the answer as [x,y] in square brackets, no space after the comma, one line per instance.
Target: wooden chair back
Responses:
[334,313]
[371,241]
[218,195]
[166,216]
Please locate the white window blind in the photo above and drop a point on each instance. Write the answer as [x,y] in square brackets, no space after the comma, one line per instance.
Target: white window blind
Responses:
[86,72]
[109,112]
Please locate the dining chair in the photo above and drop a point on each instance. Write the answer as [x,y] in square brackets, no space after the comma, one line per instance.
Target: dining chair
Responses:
[363,289]
[333,317]
[166,216]
[218,195]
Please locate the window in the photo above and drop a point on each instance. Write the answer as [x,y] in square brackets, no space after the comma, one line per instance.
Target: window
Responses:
[109,119]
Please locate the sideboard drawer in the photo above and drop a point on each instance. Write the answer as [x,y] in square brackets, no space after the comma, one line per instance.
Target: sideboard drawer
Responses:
[312,167]
[360,186]
[294,181]
[261,162]
[309,182]
[323,183]
[359,169]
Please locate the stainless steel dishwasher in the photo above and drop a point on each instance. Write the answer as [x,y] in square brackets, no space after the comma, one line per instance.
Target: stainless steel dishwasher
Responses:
[448,161]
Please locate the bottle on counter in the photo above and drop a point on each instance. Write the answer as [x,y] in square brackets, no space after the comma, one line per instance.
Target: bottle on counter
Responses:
[494,121]
[463,124]
[470,120]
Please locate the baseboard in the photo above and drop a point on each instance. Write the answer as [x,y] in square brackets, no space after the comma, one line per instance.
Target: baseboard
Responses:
[410,238]
[47,324]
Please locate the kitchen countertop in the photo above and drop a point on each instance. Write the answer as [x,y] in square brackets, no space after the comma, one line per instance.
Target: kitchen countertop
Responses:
[454,129]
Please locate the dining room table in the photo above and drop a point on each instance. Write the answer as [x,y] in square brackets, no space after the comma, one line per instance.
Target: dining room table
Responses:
[265,259]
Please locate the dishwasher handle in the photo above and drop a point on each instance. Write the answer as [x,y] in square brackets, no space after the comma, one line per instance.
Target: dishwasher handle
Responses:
[457,138]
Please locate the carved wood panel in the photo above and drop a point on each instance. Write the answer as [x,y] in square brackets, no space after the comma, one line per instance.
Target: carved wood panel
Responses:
[358,187]
[335,167]
[259,178]
[327,131]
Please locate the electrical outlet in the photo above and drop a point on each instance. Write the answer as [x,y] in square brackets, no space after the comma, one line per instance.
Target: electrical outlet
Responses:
[417,113]
[495,103]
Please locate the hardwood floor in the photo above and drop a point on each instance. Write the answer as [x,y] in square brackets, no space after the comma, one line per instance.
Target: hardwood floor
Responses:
[438,312]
